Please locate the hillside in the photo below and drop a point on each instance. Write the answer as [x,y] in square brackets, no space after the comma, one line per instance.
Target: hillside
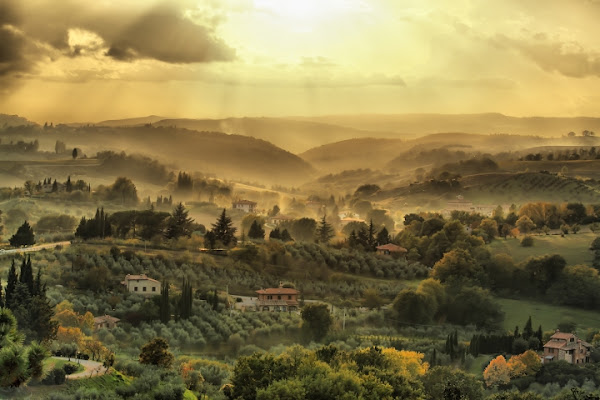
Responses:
[14,120]
[354,153]
[131,121]
[490,123]
[229,156]
[294,136]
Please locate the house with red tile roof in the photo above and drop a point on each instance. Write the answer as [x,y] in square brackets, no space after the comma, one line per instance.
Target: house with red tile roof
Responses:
[105,321]
[567,347]
[390,248]
[277,299]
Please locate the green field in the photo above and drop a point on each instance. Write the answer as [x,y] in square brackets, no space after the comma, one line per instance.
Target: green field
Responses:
[548,315]
[574,248]
[53,363]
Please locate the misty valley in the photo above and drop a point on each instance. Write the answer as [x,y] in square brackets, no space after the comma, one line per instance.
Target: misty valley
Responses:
[147,260]
[299,200]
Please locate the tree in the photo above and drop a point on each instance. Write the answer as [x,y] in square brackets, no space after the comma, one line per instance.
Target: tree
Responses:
[156,352]
[455,265]
[256,231]
[413,308]
[497,372]
[23,237]
[224,230]
[383,237]
[185,305]
[165,305]
[525,224]
[179,224]
[490,228]
[316,320]
[324,231]
[75,153]
[438,382]
[303,229]
[60,147]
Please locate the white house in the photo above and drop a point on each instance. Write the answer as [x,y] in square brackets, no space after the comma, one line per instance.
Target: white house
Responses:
[141,284]
[244,205]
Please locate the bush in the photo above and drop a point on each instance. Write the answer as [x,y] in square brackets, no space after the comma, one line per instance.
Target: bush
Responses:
[55,377]
[527,241]
[70,368]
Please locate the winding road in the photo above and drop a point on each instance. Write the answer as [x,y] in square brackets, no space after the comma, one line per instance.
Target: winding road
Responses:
[92,368]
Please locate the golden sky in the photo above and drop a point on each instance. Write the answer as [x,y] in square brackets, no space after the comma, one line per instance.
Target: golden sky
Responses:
[76,60]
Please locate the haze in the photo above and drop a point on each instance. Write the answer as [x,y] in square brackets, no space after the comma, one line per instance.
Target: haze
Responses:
[80,61]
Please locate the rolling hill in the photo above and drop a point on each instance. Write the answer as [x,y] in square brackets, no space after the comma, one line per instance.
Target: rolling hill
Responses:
[294,136]
[228,156]
[488,123]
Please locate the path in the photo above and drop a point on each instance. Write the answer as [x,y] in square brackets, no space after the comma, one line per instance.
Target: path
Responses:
[92,368]
[36,247]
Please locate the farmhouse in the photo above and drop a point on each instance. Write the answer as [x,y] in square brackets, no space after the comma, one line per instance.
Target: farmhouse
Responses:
[105,321]
[567,347]
[277,299]
[141,284]
[390,248]
[244,205]
[280,218]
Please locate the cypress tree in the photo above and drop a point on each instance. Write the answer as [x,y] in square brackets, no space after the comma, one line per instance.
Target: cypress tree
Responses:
[528,329]
[215,300]
[186,300]
[371,237]
[285,236]
[165,306]
[256,231]
[11,285]
[1,297]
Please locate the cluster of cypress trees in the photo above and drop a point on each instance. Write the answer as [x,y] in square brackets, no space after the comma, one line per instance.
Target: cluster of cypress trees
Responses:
[97,227]
[185,302]
[25,296]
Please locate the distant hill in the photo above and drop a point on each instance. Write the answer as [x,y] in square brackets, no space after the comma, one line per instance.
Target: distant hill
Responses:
[294,136]
[228,156]
[14,120]
[131,121]
[413,125]
[354,154]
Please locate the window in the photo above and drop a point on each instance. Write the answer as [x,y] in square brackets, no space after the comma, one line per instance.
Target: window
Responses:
[135,289]
[144,289]
[278,297]
[289,297]
[154,288]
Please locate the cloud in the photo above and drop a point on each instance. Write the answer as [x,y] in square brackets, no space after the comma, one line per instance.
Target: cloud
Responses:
[165,35]
[162,33]
[570,59]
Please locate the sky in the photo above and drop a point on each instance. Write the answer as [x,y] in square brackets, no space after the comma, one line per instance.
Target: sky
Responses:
[91,60]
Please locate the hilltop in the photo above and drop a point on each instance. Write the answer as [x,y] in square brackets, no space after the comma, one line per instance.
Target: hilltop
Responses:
[294,136]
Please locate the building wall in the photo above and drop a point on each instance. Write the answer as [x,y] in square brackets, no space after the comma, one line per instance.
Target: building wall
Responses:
[144,287]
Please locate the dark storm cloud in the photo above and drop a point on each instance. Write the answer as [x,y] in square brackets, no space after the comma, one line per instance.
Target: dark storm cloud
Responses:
[161,33]
[164,35]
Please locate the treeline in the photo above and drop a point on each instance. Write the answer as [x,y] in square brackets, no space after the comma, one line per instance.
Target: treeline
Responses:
[20,147]
[145,224]
[138,167]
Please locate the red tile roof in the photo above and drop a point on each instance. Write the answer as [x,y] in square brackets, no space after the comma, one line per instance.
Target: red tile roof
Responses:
[106,318]
[141,277]
[280,290]
[392,248]
[562,335]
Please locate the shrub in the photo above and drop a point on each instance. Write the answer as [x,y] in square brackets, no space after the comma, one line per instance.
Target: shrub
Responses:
[527,241]
[55,377]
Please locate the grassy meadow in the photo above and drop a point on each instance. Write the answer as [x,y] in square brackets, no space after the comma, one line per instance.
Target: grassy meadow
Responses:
[574,248]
